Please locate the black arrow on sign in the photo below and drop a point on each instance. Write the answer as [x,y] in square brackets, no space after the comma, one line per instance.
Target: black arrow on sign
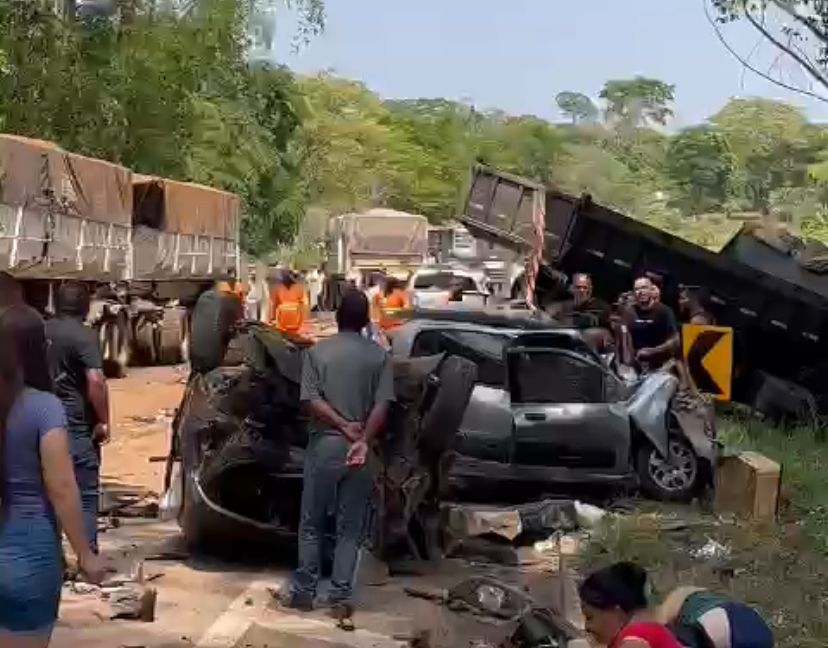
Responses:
[701,347]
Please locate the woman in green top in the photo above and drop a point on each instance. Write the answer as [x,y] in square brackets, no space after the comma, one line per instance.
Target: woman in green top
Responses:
[704,619]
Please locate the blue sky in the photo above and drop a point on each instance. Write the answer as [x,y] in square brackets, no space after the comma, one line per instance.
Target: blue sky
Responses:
[516,55]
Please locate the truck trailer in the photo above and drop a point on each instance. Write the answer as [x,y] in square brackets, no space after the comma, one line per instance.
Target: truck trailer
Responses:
[145,246]
[378,240]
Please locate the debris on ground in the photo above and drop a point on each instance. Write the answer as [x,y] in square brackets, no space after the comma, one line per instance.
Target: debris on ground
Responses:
[544,628]
[132,602]
[481,595]
[492,534]
[711,550]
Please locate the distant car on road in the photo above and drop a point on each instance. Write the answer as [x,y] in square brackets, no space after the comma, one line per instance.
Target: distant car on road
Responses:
[547,409]
[431,286]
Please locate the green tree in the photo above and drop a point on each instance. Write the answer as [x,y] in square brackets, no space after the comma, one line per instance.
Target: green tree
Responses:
[638,101]
[527,145]
[770,143]
[577,107]
[701,165]
[164,92]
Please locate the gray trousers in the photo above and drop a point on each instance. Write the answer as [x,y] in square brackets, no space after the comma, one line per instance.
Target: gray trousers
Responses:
[329,486]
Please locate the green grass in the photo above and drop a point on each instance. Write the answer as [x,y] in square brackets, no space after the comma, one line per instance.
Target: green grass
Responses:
[804,463]
[781,569]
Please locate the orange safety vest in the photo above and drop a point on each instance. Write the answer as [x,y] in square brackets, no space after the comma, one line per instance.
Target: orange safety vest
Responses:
[287,308]
[391,307]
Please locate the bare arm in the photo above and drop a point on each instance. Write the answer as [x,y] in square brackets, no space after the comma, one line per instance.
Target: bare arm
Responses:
[62,490]
[670,346]
[320,409]
[315,404]
[376,421]
[98,394]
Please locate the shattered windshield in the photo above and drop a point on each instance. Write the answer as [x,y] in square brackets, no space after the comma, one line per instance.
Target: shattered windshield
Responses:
[551,376]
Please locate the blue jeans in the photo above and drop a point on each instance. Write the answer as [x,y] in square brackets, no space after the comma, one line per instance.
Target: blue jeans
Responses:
[88,479]
[330,485]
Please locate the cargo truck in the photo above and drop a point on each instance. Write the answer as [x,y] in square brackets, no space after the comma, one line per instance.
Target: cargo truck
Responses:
[377,240]
[777,306]
[145,246]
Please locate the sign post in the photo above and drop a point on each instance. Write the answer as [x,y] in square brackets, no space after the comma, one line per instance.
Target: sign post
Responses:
[708,352]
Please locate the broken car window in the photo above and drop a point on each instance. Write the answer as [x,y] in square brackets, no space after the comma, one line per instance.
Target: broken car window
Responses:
[484,349]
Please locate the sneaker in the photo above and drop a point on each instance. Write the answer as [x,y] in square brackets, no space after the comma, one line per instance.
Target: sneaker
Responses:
[292,600]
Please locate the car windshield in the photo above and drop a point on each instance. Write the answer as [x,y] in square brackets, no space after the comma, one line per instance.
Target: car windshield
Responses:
[442,281]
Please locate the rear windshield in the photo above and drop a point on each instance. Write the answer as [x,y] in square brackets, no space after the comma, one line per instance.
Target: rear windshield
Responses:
[442,281]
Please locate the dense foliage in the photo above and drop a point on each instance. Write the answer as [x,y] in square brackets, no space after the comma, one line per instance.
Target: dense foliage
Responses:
[179,89]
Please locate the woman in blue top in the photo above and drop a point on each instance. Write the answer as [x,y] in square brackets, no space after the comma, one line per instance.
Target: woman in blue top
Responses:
[38,496]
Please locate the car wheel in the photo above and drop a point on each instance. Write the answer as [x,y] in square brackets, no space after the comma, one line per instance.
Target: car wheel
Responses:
[674,478]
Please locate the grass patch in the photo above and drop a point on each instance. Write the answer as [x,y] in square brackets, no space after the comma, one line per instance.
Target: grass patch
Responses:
[804,463]
[781,569]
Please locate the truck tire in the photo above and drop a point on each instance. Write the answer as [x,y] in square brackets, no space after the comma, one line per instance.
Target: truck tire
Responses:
[171,337]
[144,344]
[114,334]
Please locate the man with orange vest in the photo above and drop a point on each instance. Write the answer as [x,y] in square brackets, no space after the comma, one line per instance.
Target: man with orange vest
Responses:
[288,305]
[393,303]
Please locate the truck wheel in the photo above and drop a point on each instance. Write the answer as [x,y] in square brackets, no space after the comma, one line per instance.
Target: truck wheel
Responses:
[116,346]
[143,342]
[671,479]
[171,336]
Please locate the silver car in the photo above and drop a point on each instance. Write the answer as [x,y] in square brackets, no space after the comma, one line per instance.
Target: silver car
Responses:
[546,408]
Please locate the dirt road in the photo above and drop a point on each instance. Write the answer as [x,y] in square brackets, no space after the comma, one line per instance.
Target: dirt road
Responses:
[142,405]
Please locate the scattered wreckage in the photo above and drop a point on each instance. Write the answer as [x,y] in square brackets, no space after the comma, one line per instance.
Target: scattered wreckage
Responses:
[240,438]
[546,408]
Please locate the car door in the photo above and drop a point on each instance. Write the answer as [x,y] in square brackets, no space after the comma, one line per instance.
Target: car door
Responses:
[562,419]
[486,430]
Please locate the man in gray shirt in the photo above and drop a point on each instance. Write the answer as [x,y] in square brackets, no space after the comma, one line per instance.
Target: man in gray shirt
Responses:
[347,386]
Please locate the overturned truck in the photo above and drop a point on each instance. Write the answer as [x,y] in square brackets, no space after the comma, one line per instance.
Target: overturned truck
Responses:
[774,296]
[240,438]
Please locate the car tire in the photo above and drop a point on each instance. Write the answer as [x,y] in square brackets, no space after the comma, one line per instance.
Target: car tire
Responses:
[456,381]
[675,479]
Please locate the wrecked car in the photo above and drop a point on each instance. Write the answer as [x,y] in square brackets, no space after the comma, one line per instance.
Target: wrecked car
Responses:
[239,439]
[547,409]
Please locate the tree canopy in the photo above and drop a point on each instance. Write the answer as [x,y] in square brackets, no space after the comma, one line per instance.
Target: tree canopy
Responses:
[173,88]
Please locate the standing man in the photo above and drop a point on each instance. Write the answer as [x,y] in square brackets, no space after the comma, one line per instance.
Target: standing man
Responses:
[651,326]
[28,324]
[347,386]
[77,367]
[288,305]
[586,304]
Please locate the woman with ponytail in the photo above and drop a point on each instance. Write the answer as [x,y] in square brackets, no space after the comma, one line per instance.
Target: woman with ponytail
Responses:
[614,603]
[38,497]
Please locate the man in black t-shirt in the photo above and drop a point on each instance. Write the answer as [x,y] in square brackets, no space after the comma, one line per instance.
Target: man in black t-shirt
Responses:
[77,370]
[651,326]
